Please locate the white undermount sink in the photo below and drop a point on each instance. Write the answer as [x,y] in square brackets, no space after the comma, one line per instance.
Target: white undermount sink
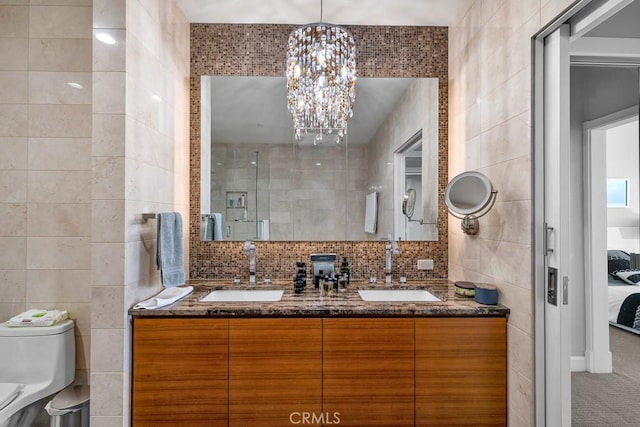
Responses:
[244,295]
[397,295]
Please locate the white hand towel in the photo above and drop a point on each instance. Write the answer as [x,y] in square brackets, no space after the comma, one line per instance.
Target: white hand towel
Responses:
[164,298]
[38,317]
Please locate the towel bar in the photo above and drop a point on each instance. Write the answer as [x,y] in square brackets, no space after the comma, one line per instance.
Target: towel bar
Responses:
[147,216]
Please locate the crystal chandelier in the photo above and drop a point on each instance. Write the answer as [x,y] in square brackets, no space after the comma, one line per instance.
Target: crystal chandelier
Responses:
[321,76]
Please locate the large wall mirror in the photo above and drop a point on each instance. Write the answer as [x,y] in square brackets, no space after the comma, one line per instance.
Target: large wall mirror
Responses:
[259,183]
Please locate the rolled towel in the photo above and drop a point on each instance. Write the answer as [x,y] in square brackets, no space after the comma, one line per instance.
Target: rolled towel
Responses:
[36,317]
[164,298]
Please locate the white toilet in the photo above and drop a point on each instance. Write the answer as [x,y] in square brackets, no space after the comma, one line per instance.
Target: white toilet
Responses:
[35,362]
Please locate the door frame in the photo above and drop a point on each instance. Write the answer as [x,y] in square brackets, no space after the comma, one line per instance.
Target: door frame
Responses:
[598,358]
[598,11]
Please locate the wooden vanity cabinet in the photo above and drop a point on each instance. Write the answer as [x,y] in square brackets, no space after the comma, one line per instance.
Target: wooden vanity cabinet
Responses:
[461,371]
[368,371]
[180,371]
[426,371]
[275,370]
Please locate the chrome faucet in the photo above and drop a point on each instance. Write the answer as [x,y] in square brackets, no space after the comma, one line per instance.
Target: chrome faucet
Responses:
[250,251]
[390,248]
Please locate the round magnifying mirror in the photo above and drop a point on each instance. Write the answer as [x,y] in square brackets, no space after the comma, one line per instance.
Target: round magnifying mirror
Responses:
[409,202]
[468,193]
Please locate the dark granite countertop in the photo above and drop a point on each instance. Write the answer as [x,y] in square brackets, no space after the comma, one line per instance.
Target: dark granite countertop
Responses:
[347,303]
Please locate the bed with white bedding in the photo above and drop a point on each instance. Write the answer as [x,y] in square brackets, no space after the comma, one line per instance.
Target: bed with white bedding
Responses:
[624,292]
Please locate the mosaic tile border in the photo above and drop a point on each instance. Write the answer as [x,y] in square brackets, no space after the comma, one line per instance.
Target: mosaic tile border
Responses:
[257,49]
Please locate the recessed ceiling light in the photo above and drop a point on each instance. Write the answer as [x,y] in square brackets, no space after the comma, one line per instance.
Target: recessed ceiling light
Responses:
[318,164]
[105,38]
[75,85]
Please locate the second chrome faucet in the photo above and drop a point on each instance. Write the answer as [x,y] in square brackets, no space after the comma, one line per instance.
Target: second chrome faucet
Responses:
[391,248]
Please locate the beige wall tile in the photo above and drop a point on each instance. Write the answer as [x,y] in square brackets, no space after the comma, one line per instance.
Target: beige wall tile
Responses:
[12,289]
[83,358]
[14,153]
[13,186]
[108,309]
[13,87]
[109,387]
[15,54]
[109,13]
[14,2]
[13,219]
[12,286]
[14,21]
[60,55]
[107,264]
[110,57]
[109,92]
[13,119]
[69,22]
[508,222]
[65,253]
[146,29]
[53,88]
[521,401]
[140,266]
[59,220]
[107,354]
[60,154]
[108,178]
[14,250]
[59,186]
[60,2]
[72,121]
[108,221]
[108,135]
[59,286]
[107,421]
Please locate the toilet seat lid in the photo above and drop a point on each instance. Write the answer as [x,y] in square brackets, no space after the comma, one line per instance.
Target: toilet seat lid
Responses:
[8,392]
[34,331]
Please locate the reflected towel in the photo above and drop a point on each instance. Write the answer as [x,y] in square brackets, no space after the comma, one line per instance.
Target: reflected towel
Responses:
[169,251]
[164,298]
[217,226]
[371,213]
[206,227]
[38,317]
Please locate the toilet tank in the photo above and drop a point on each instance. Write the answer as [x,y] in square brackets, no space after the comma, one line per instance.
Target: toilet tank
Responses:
[38,354]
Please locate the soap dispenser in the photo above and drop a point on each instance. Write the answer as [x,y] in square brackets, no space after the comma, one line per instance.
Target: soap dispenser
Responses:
[344,269]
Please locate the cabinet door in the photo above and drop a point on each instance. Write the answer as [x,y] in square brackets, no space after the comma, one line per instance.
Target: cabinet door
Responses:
[179,372]
[461,371]
[275,371]
[368,371]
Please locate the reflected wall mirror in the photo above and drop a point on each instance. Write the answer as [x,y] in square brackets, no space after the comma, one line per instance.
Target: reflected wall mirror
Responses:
[259,183]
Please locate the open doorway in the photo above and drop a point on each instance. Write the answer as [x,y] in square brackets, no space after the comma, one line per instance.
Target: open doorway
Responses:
[605,379]
[590,36]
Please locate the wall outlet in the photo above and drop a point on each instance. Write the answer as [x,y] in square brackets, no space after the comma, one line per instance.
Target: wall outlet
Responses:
[425,264]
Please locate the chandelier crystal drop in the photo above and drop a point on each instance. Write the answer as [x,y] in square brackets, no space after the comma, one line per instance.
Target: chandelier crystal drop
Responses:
[321,77]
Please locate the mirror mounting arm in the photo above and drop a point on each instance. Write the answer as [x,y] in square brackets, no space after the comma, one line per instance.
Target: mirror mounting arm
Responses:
[422,222]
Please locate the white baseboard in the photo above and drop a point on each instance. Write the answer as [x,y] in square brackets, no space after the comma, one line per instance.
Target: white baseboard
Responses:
[578,364]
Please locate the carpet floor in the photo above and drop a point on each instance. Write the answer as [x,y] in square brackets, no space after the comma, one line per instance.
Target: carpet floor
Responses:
[603,400]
